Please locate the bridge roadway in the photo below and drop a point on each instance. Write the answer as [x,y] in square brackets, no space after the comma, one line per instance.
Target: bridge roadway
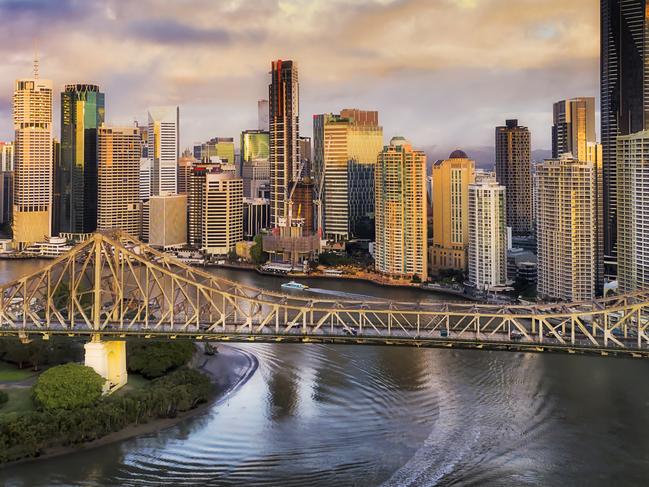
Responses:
[113,286]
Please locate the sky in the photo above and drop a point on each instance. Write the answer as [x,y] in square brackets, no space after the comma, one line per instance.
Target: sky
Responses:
[442,73]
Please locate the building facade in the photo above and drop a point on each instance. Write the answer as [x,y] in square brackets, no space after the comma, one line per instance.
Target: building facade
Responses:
[632,154]
[82,113]
[353,136]
[566,234]
[487,233]
[215,209]
[118,161]
[284,134]
[217,147]
[168,221]
[6,181]
[624,98]
[574,127]
[451,180]
[514,172]
[164,148]
[32,117]
[400,193]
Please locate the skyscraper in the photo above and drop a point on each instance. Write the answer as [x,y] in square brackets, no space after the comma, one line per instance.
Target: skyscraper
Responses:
[632,154]
[284,128]
[262,115]
[164,148]
[624,98]
[352,137]
[574,127]
[514,172]
[400,192]
[487,233]
[451,180]
[118,161]
[6,181]
[82,112]
[32,116]
[221,147]
[566,233]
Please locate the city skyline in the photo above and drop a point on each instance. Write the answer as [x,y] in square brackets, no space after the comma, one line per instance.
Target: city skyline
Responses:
[175,58]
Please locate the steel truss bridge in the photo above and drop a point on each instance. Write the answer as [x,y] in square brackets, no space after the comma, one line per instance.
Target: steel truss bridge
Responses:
[112,287]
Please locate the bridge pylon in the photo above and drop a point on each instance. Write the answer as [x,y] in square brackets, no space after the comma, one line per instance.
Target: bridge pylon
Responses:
[108,359]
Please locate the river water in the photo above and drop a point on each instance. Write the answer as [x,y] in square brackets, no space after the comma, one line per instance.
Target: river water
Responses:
[359,415]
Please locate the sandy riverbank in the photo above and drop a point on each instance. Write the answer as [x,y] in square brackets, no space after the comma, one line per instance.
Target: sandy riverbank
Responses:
[229,369]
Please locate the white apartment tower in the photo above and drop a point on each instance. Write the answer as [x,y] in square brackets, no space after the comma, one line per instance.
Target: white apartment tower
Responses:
[487,233]
[566,229]
[633,211]
[164,148]
[32,116]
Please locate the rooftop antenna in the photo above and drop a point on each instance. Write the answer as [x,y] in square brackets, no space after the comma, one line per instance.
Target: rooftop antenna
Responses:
[36,62]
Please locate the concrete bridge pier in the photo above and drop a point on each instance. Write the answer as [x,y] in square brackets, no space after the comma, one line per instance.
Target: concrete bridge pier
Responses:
[108,359]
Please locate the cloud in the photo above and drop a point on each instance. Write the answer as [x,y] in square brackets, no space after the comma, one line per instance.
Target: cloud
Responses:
[442,72]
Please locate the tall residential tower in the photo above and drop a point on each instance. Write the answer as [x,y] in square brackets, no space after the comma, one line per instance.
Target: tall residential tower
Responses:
[514,172]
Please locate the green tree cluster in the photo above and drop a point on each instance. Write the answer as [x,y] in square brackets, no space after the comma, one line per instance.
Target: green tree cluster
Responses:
[152,358]
[39,352]
[27,435]
[68,386]
[257,251]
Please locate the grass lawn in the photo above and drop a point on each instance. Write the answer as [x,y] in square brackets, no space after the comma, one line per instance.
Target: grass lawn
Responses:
[11,373]
[20,400]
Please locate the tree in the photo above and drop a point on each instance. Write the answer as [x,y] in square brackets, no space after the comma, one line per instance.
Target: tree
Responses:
[257,251]
[154,358]
[68,386]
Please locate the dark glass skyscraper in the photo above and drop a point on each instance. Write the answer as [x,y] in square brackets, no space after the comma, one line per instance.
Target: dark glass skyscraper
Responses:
[284,135]
[82,112]
[624,97]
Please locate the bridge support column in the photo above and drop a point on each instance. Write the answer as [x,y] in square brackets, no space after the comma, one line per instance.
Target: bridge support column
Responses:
[108,359]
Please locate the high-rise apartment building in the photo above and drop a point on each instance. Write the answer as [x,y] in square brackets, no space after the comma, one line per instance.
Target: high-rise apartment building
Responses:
[32,117]
[487,233]
[574,127]
[284,133]
[164,148]
[624,98]
[118,161]
[82,113]
[514,172]
[632,154]
[352,137]
[400,192]
[566,233]
[451,180]
[215,209]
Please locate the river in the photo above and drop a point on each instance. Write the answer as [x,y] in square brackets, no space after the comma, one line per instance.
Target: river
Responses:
[359,415]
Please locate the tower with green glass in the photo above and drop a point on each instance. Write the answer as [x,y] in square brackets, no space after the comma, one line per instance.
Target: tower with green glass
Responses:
[82,112]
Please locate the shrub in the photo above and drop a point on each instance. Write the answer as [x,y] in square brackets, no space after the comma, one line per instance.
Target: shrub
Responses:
[68,387]
[4,397]
[29,434]
[154,358]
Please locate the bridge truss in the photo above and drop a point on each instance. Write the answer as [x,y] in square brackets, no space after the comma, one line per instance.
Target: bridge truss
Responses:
[113,286]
